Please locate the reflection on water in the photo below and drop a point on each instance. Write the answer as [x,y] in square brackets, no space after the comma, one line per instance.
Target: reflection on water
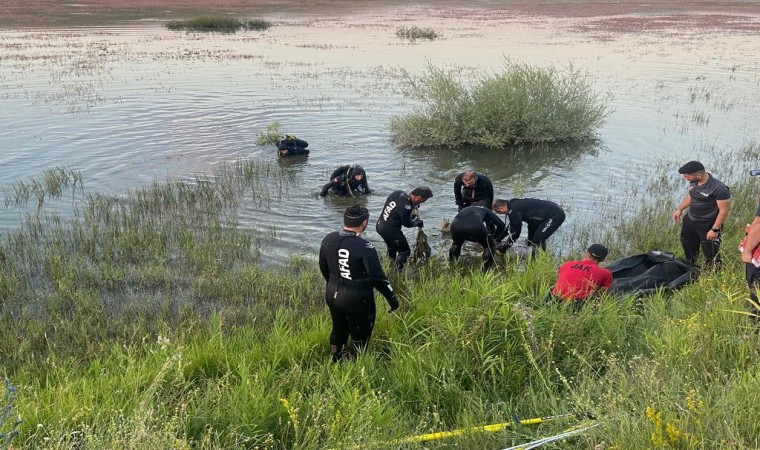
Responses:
[128,105]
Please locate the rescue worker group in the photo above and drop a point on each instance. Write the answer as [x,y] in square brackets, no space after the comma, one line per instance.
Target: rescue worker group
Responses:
[352,269]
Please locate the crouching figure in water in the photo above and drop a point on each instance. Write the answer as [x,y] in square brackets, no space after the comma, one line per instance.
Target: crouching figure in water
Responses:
[347,180]
[289,145]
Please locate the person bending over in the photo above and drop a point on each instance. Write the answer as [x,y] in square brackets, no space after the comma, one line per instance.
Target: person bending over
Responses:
[476,224]
[473,189]
[396,213]
[543,218]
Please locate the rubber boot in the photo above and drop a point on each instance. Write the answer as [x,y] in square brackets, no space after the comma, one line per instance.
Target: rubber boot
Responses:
[401,259]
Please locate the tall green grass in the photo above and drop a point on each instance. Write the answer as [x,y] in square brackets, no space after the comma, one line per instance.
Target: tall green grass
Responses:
[521,103]
[147,323]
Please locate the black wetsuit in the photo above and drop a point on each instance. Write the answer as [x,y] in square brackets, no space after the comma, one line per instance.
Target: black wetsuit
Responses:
[396,213]
[474,223]
[480,194]
[292,147]
[352,269]
[543,218]
[342,179]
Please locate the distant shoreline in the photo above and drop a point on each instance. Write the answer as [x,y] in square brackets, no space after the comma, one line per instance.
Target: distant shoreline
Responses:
[54,13]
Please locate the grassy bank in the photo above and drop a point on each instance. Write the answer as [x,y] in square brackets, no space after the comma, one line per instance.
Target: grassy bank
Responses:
[146,322]
[519,104]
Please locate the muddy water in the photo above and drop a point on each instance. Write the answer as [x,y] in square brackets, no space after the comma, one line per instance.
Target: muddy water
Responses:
[126,105]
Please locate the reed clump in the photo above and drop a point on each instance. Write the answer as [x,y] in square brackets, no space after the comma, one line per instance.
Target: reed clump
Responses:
[270,135]
[415,33]
[218,24]
[520,104]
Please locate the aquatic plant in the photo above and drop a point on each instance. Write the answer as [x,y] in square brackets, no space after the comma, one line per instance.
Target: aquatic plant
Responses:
[269,136]
[217,24]
[522,103]
[415,33]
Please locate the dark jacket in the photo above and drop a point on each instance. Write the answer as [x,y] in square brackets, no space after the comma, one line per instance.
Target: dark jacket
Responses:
[397,212]
[342,182]
[531,211]
[481,192]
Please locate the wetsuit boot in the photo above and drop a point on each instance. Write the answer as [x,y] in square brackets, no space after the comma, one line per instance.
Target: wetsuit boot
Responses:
[401,259]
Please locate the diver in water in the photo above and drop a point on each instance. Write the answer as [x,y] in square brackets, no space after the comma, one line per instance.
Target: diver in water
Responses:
[289,145]
[347,180]
[396,213]
[473,189]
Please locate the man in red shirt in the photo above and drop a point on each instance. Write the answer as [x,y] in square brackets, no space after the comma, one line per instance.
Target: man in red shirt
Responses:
[579,279]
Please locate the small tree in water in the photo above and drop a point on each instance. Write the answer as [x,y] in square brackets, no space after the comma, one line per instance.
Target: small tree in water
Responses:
[521,104]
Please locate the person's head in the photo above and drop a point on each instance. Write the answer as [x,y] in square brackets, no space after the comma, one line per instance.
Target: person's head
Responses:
[597,252]
[500,206]
[469,178]
[420,194]
[692,171]
[357,173]
[355,218]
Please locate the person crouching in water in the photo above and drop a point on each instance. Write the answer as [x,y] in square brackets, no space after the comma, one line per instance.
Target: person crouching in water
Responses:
[347,180]
[579,280]
[476,224]
[396,213]
[351,268]
[289,145]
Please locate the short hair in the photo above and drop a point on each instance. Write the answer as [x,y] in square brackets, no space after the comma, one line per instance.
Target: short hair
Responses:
[468,175]
[422,191]
[499,203]
[355,215]
[691,167]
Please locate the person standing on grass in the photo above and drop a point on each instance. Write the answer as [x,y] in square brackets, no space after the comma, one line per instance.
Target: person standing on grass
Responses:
[751,271]
[473,189]
[543,218]
[578,280]
[396,213]
[351,268]
[708,201]
[476,224]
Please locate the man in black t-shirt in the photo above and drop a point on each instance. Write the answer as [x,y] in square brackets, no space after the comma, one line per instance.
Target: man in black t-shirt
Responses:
[708,201]
[396,213]
[351,268]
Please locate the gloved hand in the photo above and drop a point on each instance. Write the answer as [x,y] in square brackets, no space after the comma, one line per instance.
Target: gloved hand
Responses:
[393,302]
[503,247]
[419,223]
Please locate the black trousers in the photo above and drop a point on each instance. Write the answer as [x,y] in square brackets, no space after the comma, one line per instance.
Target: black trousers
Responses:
[538,233]
[753,282]
[694,237]
[395,240]
[473,232]
[351,316]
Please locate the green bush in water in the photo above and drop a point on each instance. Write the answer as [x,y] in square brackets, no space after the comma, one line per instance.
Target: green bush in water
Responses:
[520,104]
[219,24]
[416,33]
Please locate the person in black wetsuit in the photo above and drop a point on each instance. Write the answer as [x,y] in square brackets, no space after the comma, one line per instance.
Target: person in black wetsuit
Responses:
[397,212]
[289,145]
[476,224]
[352,269]
[543,218]
[473,189]
[347,180]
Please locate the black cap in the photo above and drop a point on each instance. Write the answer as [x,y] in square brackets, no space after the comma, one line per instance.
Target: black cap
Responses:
[598,251]
[355,215]
[691,167]
[422,191]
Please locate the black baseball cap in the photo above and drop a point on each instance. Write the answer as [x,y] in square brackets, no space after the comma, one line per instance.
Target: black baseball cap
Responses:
[597,251]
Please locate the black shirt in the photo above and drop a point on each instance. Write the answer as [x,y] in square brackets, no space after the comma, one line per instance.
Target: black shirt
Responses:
[481,190]
[397,211]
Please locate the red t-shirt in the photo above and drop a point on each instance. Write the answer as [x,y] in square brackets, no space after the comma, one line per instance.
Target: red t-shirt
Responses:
[579,279]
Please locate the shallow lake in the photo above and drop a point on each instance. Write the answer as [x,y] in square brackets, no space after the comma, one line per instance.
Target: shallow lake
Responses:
[129,104]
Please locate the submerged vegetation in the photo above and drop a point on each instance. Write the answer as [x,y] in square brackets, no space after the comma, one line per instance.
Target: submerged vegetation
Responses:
[147,322]
[415,33]
[218,24]
[521,104]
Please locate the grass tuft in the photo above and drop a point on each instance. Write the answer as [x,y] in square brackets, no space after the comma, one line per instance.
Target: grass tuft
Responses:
[218,24]
[415,33]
